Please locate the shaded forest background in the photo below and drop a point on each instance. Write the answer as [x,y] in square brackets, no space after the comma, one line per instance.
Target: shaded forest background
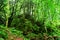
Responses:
[30,19]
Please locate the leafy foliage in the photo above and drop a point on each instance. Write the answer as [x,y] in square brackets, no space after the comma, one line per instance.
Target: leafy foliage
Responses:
[30,19]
